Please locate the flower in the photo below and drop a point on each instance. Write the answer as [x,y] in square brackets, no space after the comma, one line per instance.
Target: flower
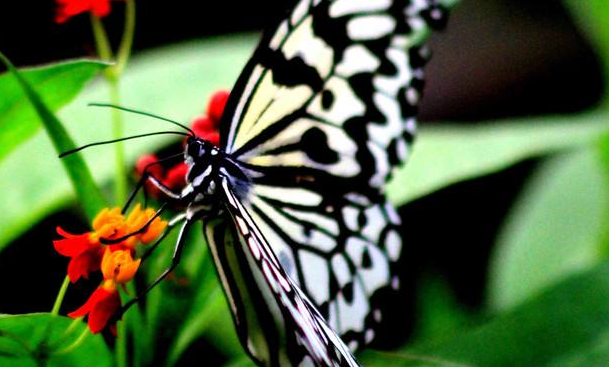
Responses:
[101,306]
[86,250]
[145,163]
[85,254]
[208,126]
[205,128]
[137,219]
[118,267]
[216,106]
[69,8]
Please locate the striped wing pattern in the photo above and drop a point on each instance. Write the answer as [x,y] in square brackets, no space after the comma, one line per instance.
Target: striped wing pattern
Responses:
[257,276]
[320,116]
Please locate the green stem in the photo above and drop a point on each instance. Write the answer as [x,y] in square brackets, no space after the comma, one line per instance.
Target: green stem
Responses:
[76,343]
[124,50]
[120,187]
[121,342]
[105,52]
[60,296]
[102,44]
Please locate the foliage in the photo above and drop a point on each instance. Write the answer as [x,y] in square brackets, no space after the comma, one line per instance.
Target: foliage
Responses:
[548,284]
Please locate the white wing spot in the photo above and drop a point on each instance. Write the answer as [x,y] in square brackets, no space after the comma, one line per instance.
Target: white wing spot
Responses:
[357,59]
[393,245]
[315,270]
[340,8]
[370,27]
[341,270]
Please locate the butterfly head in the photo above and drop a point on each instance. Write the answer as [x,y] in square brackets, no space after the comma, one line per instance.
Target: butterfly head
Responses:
[198,149]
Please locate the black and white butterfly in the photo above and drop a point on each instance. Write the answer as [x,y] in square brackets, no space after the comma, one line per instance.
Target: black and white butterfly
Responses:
[292,201]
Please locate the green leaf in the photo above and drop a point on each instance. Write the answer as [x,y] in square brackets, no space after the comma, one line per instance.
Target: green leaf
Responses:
[552,231]
[572,317]
[592,17]
[437,310]
[57,84]
[174,82]
[444,155]
[46,340]
[89,194]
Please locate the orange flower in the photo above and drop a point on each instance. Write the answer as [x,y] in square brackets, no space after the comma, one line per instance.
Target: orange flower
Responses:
[86,250]
[118,267]
[138,218]
[108,224]
[69,8]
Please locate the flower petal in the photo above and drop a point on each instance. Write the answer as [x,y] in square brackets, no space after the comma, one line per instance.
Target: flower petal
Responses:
[95,298]
[72,245]
[215,109]
[104,310]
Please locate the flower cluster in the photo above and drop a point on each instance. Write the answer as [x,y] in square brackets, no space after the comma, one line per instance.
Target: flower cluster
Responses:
[88,254]
[69,8]
[205,127]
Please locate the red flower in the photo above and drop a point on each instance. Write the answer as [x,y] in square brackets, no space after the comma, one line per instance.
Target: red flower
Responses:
[69,8]
[216,106]
[85,253]
[118,267]
[156,170]
[176,176]
[206,128]
[100,307]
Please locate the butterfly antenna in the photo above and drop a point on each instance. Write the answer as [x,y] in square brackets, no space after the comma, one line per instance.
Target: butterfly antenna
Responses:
[192,133]
[121,139]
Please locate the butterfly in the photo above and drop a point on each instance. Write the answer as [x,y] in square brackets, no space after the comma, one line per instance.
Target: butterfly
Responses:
[292,200]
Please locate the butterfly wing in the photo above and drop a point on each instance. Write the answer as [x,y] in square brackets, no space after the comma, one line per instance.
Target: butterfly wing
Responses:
[322,113]
[256,285]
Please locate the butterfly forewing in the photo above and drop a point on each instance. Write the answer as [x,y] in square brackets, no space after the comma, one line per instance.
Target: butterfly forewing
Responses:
[322,113]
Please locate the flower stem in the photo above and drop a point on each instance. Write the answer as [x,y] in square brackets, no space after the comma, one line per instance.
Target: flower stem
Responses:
[102,44]
[121,342]
[124,50]
[76,343]
[120,180]
[112,76]
[60,296]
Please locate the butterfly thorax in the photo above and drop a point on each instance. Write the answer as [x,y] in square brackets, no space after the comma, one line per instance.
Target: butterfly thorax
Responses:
[208,165]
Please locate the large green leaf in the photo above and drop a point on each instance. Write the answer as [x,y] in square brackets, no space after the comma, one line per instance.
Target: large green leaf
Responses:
[553,229]
[57,84]
[47,340]
[443,155]
[82,182]
[561,327]
[174,82]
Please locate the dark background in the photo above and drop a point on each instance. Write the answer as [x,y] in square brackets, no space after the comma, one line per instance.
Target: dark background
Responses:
[497,58]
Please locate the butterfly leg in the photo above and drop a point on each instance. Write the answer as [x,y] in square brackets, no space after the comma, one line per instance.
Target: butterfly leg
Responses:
[175,260]
[170,226]
[146,175]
